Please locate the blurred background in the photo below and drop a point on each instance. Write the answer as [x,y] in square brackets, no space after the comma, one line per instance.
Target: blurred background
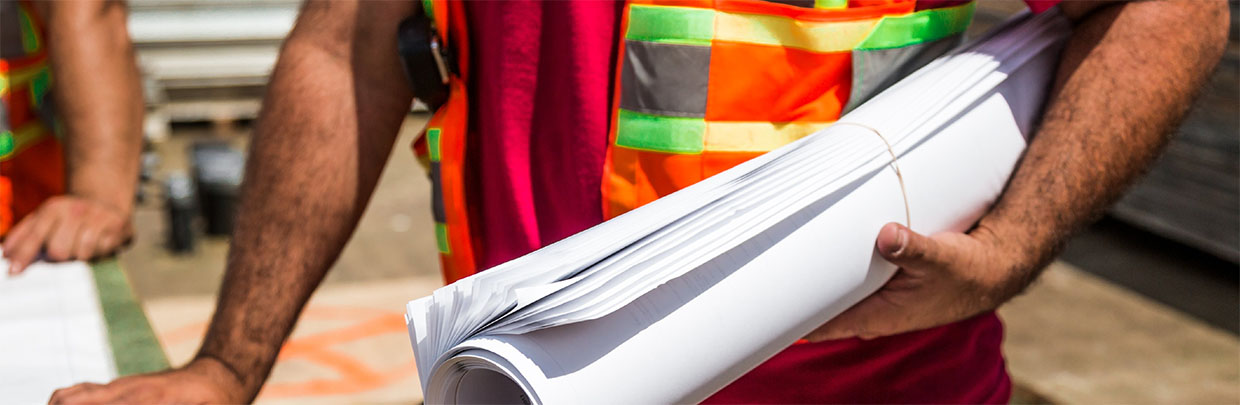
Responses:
[1142,307]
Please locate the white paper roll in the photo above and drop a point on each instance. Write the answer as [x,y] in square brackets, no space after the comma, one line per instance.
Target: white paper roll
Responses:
[746,273]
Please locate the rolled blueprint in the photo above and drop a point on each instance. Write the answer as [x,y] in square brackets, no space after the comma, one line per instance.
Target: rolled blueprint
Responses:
[674,300]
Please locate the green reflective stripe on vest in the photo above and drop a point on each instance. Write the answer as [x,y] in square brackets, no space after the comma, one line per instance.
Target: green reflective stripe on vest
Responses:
[668,24]
[919,27]
[441,238]
[30,38]
[428,7]
[432,143]
[659,133]
[15,141]
[7,144]
[830,3]
[39,85]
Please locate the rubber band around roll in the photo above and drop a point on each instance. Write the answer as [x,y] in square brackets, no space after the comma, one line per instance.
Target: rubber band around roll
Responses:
[908,217]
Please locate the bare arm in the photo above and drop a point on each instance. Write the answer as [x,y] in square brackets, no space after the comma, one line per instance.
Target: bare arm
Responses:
[1127,76]
[336,101]
[98,92]
[99,101]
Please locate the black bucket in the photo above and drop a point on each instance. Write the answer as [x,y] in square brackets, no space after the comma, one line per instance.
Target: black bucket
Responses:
[218,170]
[179,201]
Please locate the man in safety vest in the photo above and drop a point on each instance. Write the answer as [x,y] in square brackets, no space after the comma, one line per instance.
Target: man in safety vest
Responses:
[562,114]
[70,133]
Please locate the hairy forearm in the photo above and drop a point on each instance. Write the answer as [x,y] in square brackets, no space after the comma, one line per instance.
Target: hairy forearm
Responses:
[335,104]
[98,98]
[1127,76]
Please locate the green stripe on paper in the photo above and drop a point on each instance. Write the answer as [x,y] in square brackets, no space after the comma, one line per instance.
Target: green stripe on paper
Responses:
[441,238]
[432,143]
[660,133]
[669,24]
[919,27]
[135,349]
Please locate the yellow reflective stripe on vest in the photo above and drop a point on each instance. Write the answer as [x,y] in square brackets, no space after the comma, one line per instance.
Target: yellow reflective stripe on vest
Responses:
[836,4]
[36,73]
[725,136]
[834,36]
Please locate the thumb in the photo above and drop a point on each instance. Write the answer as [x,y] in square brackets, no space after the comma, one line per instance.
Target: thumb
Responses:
[907,249]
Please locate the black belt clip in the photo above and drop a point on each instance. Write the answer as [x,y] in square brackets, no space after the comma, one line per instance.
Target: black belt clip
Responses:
[428,63]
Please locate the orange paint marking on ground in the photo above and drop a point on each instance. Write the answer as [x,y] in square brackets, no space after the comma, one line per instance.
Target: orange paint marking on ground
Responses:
[354,376]
[387,323]
[341,313]
[196,329]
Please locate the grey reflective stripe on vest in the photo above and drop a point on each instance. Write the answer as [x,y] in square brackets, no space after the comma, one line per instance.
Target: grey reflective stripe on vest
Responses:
[437,208]
[797,3]
[874,70]
[665,79]
[4,115]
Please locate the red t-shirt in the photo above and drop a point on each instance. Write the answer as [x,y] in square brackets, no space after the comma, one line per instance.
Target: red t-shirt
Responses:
[541,93]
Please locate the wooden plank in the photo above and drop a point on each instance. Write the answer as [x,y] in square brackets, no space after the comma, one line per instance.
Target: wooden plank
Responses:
[134,345]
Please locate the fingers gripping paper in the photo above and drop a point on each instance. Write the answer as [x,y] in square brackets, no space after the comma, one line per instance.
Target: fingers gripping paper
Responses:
[674,300]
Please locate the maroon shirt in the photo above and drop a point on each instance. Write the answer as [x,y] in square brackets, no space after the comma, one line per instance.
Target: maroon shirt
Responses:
[541,93]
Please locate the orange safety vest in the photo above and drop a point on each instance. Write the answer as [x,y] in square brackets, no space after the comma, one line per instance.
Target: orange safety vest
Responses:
[31,159]
[703,85]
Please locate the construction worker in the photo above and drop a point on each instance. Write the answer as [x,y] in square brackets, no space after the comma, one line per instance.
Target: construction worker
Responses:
[542,89]
[71,130]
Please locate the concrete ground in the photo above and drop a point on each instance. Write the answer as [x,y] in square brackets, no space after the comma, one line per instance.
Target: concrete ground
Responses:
[1073,338]
[390,242]
[350,346]
[1076,338]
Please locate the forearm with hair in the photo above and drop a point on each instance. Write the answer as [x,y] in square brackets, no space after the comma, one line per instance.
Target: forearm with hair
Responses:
[336,101]
[1126,78]
[98,98]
